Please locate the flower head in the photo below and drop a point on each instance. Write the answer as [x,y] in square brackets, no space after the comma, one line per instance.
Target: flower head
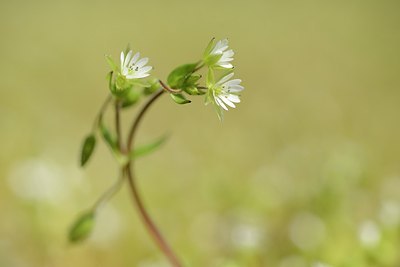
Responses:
[219,55]
[224,93]
[134,68]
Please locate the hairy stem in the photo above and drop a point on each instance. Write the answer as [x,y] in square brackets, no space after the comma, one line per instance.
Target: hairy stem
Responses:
[128,170]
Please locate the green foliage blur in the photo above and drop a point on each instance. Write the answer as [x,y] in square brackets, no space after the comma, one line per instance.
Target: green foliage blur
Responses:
[304,172]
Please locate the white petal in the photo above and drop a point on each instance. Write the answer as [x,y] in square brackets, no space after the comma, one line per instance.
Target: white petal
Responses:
[225,59]
[145,69]
[220,103]
[142,62]
[137,75]
[235,88]
[229,53]
[128,58]
[233,82]
[226,100]
[225,78]
[234,98]
[228,66]
[122,57]
[135,58]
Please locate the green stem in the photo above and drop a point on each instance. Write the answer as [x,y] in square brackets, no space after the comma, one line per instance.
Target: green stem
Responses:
[101,112]
[128,170]
[109,193]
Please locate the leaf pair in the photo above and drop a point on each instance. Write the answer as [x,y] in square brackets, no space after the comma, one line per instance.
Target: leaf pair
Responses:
[89,145]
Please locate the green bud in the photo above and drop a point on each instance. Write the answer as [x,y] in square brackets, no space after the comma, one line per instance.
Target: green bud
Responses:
[131,97]
[154,85]
[177,78]
[179,99]
[193,91]
[87,148]
[82,227]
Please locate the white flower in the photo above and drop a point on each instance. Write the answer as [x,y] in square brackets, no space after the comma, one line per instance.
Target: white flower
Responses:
[226,55]
[225,93]
[132,67]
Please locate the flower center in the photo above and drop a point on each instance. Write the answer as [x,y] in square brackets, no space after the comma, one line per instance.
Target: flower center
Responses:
[133,68]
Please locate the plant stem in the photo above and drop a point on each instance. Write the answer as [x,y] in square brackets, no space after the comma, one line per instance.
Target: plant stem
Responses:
[128,170]
[107,195]
[101,112]
[118,125]
[172,91]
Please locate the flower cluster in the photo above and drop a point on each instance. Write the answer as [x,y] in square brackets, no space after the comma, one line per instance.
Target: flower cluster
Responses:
[225,92]
[127,78]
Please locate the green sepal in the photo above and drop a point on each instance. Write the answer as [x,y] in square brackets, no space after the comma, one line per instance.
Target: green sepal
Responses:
[111,63]
[127,49]
[82,227]
[87,148]
[154,85]
[109,78]
[121,85]
[180,99]
[148,148]
[210,60]
[177,78]
[210,79]
[131,97]
[139,82]
[219,111]
[193,91]
[209,47]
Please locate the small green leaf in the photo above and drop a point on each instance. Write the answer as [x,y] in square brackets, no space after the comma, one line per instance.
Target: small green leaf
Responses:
[87,148]
[108,137]
[178,76]
[82,227]
[148,148]
[179,99]
[111,63]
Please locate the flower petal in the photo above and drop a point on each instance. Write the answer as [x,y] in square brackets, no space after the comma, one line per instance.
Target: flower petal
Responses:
[227,101]
[225,78]
[142,62]
[122,57]
[220,103]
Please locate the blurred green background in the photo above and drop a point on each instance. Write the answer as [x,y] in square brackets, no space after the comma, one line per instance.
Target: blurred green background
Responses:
[305,172]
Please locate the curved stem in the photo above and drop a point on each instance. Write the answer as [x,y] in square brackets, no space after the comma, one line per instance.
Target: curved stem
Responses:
[107,195]
[128,169]
[170,90]
[101,112]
